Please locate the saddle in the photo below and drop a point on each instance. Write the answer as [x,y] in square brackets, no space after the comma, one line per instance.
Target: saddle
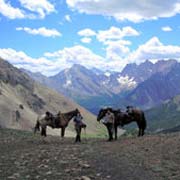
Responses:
[61,120]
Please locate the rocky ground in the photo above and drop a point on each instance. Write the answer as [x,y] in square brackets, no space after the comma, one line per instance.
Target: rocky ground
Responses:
[25,156]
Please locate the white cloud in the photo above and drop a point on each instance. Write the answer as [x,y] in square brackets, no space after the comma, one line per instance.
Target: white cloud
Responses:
[68,18]
[41,7]
[154,49]
[166,28]
[76,55]
[116,52]
[116,47]
[134,11]
[115,33]
[40,31]
[87,32]
[22,60]
[10,12]
[84,56]
[86,40]
[31,9]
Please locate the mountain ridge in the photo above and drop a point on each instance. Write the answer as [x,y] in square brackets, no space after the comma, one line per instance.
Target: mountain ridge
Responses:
[23,99]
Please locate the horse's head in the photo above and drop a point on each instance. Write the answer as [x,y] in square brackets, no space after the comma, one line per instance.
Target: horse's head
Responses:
[102,113]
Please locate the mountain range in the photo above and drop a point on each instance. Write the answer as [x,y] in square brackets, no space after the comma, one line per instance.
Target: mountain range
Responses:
[22,99]
[152,86]
[157,88]
[145,85]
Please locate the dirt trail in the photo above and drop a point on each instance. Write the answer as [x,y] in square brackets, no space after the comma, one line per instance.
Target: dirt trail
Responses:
[24,156]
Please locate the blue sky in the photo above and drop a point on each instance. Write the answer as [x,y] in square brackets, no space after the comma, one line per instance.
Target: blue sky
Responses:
[50,35]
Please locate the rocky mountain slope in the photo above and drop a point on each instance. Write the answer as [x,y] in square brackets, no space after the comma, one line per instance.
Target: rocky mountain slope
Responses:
[145,70]
[143,85]
[22,100]
[156,89]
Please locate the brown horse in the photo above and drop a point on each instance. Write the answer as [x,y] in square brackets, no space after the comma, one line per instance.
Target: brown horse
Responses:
[61,121]
[123,118]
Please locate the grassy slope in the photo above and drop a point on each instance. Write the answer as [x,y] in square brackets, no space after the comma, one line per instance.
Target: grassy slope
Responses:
[164,116]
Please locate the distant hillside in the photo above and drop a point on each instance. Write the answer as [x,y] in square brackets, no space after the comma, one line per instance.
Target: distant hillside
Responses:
[165,116]
[22,99]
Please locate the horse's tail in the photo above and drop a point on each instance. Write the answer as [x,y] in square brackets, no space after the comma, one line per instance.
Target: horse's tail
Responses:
[144,121]
[37,126]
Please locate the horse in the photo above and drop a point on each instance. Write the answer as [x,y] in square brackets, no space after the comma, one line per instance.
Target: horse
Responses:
[123,118]
[61,120]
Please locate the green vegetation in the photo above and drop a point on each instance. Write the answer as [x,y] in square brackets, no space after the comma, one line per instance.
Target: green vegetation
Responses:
[164,116]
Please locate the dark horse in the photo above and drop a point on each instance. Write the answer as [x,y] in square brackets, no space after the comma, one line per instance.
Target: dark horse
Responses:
[62,120]
[123,118]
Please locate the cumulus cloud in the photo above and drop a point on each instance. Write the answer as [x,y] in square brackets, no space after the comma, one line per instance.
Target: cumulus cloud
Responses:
[134,11]
[117,56]
[87,32]
[68,18]
[114,33]
[6,9]
[77,55]
[41,7]
[22,60]
[154,49]
[116,47]
[40,31]
[29,9]
[117,50]
[112,38]
[166,28]
[86,40]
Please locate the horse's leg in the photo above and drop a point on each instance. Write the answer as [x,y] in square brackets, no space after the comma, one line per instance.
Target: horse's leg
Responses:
[77,137]
[62,131]
[79,134]
[115,131]
[111,130]
[43,131]
[108,129]
[139,133]
[139,126]
[142,132]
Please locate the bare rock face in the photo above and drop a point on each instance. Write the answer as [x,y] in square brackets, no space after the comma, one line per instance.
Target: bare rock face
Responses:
[11,75]
[23,99]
